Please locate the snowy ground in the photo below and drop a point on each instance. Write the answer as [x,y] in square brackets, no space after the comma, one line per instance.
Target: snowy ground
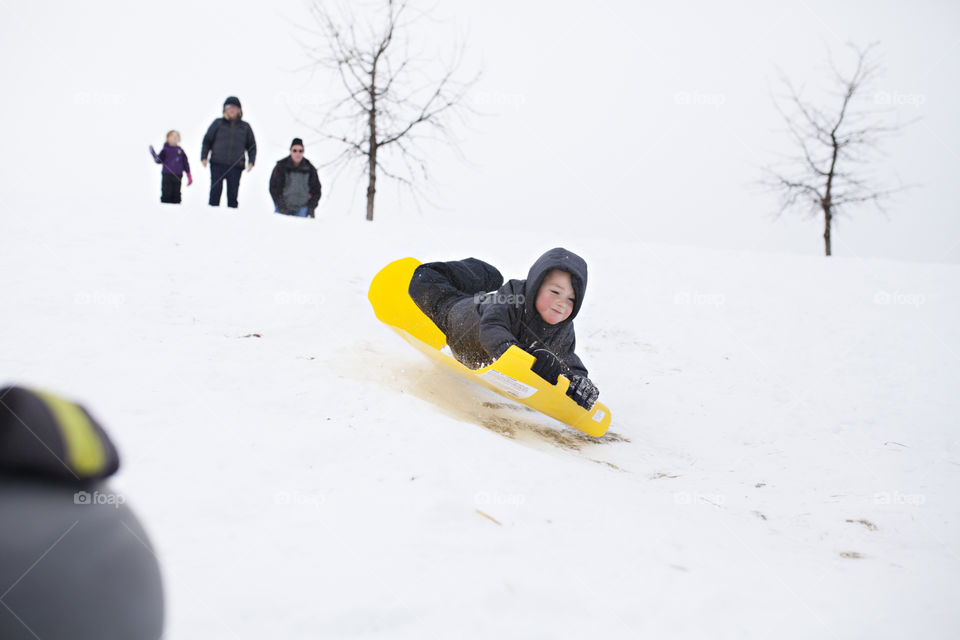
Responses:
[783,460]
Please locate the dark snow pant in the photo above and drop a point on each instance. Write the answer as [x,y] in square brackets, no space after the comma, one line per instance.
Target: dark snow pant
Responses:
[446,292]
[437,286]
[170,188]
[229,173]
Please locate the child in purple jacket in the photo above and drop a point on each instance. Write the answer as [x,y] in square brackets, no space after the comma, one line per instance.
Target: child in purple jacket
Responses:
[175,164]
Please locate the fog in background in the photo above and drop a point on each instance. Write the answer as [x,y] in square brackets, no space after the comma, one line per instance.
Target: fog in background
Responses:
[646,120]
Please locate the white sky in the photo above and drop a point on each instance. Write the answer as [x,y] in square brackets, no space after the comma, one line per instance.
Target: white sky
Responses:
[585,126]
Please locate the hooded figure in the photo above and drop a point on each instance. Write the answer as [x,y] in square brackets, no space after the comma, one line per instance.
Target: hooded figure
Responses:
[481,324]
[228,140]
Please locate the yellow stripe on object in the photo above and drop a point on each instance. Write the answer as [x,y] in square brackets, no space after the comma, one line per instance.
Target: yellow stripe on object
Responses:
[85,454]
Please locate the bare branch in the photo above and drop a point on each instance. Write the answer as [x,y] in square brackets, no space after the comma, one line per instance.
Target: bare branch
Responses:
[389,101]
[833,147]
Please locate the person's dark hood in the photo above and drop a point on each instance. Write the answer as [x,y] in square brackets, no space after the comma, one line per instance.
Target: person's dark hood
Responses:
[235,101]
[564,260]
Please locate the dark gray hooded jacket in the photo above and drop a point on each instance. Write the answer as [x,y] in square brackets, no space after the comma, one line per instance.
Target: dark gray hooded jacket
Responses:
[480,328]
[226,141]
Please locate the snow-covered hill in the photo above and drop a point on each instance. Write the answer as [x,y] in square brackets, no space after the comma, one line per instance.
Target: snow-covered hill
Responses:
[783,459]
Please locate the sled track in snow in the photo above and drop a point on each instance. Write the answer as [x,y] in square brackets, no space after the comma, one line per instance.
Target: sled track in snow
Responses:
[468,403]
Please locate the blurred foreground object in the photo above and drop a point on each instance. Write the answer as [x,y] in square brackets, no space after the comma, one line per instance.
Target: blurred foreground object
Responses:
[75,563]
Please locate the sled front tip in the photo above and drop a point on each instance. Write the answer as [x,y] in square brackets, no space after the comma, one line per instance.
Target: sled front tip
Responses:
[551,399]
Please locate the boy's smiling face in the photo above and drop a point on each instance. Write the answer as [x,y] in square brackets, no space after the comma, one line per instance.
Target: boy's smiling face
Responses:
[556,297]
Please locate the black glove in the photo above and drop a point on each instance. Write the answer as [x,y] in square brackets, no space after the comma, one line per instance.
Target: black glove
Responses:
[547,366]
[583,392]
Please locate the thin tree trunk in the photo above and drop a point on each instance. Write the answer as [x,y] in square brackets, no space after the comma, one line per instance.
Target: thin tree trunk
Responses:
[372,152]
[828,219]
[372,170]
[372,166]
[827,202]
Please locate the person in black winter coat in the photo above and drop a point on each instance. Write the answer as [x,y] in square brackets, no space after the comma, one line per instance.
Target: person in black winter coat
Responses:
[294,184]
[482,317]
[226,141]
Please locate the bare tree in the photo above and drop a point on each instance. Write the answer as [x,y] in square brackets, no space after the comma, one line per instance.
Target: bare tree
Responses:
[390,101]
[836,146]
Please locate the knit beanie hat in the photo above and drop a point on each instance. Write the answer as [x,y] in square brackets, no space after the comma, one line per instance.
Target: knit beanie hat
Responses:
[296,141]
[235,101]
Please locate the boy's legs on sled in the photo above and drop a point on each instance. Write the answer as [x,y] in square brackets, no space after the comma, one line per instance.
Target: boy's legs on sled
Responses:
[437,286]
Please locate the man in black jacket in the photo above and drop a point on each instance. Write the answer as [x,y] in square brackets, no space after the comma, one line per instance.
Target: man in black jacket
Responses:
[226,141]
[294,184]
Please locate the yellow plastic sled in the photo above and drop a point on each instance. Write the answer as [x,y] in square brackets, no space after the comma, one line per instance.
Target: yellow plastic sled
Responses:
[509,376]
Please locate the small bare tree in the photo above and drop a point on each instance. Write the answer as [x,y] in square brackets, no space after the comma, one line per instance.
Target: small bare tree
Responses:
[832,167]
[390,102]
